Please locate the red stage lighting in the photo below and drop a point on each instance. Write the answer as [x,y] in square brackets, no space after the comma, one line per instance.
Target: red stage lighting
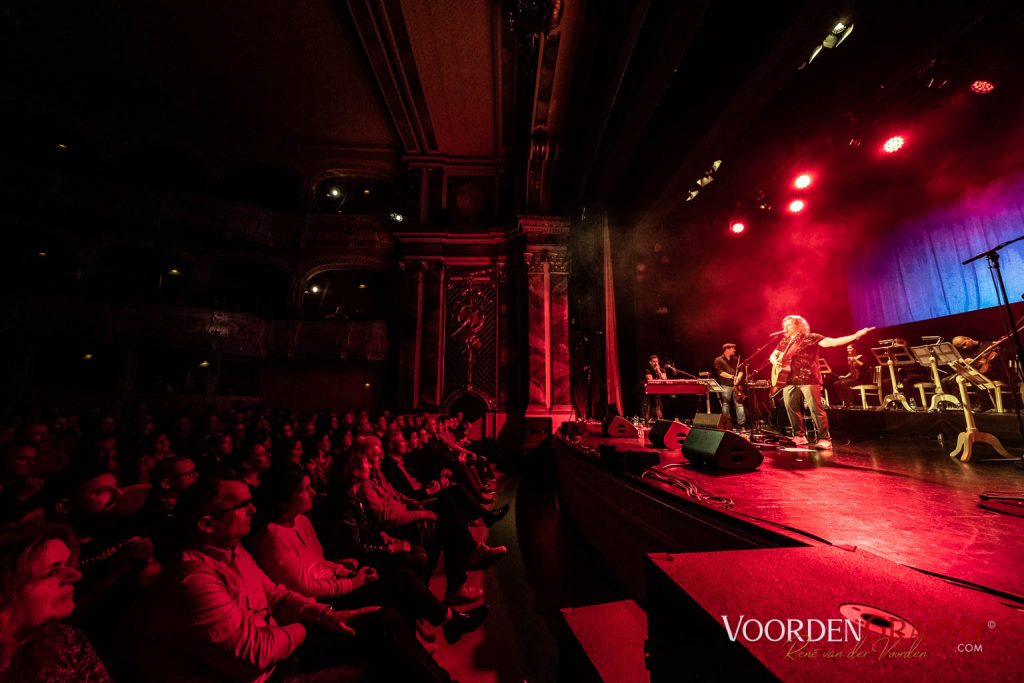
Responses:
[982,87]
[796,206]
[803,181]
[737,227]
[894,144]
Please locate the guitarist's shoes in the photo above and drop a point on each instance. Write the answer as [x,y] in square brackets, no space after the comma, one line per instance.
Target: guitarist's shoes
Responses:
[800,440]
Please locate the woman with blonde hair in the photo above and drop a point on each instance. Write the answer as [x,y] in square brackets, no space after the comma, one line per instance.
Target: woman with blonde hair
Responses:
[38,574]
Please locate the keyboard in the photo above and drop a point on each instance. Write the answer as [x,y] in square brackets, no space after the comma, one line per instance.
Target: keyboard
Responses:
[675,386]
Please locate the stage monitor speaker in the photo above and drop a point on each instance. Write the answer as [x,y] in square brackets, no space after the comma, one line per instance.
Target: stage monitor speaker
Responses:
[712,420]
[717,448]
[668,434]
[619,426]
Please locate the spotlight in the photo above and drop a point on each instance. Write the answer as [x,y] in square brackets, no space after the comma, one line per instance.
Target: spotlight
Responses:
[361,286]
[204,363]
[314,289]
[42,254]
[893,144]
[87,356]
[796,206]
[397,217]
[737,227]
[982,87]
[335,192]
[174,271]
[366,386]
[692,195]
[366,190]
[802,181]
[62,147]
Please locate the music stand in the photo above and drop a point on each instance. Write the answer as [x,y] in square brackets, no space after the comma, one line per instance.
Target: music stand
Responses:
[896,354]
[930,356]
[712,384]
[965,440]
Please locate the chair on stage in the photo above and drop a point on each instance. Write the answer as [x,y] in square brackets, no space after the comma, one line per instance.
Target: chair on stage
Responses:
[1001,387]
[875,388]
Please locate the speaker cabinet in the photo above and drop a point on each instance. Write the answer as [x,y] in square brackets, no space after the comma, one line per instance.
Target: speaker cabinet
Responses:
[668,434]
[712,420]
[717,448]
[619,426]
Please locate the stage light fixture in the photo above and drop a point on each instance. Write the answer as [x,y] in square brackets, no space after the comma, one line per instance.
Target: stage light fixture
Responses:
[42,254]
[366,386]
[797,205]
[737,228]
[894,144]
[204,363]
[802,181]
[692,194]
[706,180]
[314,289]
[334,192]
[397,217]
[982,87]
[366,191]
[62,147]
[87,356]
[362,285]
[174,271]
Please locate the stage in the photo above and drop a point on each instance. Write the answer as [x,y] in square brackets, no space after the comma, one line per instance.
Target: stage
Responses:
[905,500]
[890,528]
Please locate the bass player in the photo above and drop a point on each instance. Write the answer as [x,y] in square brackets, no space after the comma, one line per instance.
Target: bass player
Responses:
[797,374]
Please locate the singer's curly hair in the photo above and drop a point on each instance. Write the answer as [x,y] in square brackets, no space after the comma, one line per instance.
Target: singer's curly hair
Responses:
[801,325]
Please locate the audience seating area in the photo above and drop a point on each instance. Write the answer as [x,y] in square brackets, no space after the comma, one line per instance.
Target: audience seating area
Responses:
[257,544]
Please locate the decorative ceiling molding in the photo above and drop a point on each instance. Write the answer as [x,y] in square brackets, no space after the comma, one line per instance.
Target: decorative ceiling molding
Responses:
[384,35]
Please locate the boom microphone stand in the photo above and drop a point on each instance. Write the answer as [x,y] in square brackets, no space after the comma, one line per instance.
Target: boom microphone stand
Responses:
[1008,323]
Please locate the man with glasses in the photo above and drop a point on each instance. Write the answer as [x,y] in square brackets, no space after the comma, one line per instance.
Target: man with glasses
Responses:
[169,477]
[216,616]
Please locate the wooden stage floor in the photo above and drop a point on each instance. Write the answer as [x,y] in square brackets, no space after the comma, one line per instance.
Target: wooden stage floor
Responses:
[902,499]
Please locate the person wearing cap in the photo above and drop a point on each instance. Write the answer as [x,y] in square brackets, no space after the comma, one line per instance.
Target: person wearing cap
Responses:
[726,371]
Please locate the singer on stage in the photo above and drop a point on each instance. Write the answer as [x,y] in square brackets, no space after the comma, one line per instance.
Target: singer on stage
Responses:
[795,362]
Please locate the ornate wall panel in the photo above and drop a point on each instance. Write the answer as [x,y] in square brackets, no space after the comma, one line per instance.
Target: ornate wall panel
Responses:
[471,334]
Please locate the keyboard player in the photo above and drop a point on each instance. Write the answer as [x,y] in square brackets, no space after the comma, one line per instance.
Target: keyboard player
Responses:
[654,370]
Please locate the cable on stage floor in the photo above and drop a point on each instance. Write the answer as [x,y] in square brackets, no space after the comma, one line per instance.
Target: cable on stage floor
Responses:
[667,475]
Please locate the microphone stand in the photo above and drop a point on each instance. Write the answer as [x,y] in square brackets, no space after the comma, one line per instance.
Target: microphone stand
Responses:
[1008,323]
[757,417]
[669,366]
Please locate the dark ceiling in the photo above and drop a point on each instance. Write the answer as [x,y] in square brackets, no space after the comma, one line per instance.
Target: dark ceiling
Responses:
[262,101]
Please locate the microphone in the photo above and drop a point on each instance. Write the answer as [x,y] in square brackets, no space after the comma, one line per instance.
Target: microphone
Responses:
[776,334]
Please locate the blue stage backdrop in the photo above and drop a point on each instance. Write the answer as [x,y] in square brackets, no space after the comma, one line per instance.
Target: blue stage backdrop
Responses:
[913,272]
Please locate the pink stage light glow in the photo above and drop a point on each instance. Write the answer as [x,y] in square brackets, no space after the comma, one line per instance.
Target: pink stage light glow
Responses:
[737,228]
[803,181]
[894,144]
[982,87]
[797,205]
